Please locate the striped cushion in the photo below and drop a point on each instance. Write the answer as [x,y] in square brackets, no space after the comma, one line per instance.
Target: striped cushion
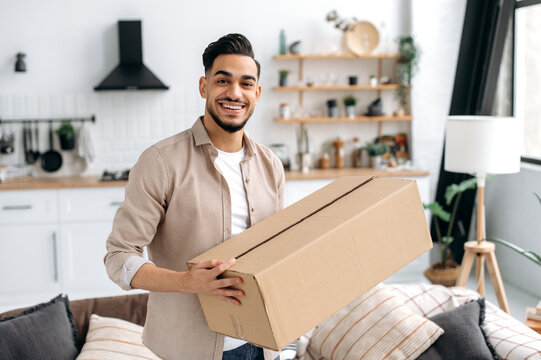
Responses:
[375,326]
[112,339]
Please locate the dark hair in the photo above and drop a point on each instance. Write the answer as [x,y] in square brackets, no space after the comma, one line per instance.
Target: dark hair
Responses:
[236,44]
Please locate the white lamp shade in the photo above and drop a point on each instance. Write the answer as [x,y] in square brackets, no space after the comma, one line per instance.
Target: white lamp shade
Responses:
[483,144]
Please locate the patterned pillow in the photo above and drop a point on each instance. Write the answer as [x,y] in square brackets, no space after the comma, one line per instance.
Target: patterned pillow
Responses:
[375,326]
[111,339]
[511,339]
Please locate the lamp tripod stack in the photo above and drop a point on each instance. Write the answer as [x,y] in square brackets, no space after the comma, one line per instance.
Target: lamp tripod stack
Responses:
[482,251]
[473,145]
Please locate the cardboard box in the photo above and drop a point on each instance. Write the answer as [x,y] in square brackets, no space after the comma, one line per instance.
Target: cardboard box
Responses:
[309,260]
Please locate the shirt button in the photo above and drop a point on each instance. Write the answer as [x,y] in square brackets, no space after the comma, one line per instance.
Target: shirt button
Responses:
[247,180]
[253,209]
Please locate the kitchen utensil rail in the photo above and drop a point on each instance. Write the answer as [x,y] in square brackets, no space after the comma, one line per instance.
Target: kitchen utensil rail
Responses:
[50,120]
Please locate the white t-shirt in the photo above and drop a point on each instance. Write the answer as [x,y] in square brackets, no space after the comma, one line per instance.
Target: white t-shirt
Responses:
[229,165]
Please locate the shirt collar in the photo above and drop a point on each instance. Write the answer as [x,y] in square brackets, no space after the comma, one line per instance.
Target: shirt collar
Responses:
[201,137]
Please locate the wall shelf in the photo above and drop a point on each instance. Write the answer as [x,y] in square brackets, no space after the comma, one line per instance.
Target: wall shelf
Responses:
[335,56]
[338,87]
[319,174]
[345,119]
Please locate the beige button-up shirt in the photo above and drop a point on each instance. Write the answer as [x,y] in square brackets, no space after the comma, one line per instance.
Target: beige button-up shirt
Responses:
[177,204]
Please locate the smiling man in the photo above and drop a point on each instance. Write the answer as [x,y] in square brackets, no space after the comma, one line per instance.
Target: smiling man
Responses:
[185,195]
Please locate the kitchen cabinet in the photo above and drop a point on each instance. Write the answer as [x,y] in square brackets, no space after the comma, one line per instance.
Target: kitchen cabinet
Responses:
[54,241]
[29,261]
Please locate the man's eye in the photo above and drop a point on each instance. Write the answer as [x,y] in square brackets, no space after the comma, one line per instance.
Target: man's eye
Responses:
[222,81]
[248,84]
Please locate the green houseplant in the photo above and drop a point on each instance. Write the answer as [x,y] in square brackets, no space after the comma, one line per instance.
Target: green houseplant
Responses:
[445,271]
[349,103]
[283,77]
[375,151]
[66,134]
[408,57]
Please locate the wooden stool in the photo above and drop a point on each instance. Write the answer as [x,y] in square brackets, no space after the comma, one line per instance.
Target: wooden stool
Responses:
[482,250]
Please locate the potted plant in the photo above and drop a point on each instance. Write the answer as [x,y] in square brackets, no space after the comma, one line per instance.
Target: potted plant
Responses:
[350,102]
[408,55]
[445,271]
[283,77]
[375,151]
[66,134]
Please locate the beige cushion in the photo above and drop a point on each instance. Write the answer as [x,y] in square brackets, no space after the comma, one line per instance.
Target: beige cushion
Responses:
[375,326]
[111,339]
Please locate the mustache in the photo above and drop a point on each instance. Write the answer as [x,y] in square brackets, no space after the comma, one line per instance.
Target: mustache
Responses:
[231,100]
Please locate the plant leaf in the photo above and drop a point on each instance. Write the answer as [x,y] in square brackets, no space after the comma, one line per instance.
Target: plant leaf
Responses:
[526,253]
[453,189]
[436,210]
[447,240]
[538,197]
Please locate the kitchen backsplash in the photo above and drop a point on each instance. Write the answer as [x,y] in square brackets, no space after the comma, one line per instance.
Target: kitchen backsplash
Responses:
[126,123]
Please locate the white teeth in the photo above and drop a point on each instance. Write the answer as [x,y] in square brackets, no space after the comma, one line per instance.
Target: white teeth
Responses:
[232,107]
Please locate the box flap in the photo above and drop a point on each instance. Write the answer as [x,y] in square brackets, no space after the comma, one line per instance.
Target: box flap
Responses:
[253,237]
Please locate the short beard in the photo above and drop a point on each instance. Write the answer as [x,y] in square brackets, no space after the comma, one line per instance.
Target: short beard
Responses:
[230,128]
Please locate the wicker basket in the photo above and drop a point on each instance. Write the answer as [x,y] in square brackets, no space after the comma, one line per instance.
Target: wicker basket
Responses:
[446,276]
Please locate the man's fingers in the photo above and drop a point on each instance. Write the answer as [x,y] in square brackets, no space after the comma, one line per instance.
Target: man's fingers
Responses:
[223,267]
[209,264]
[223,283]
[227,292]
[230,299]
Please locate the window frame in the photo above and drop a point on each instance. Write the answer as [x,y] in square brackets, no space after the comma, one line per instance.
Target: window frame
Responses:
[521,4]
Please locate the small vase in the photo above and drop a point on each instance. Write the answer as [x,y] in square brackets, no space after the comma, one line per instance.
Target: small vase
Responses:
[350,111]
[376,162]
[283,81]
[67,143]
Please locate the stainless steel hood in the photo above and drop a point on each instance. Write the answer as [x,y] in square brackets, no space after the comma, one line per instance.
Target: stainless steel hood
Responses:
[131,73]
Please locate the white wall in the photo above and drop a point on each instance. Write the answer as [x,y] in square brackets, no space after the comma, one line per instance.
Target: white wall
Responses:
[72,45]
[513,214]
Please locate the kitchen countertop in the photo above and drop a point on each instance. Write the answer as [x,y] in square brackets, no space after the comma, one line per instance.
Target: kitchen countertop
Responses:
[94,181]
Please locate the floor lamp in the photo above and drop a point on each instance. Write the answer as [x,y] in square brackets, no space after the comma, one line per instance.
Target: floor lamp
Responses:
[482,145]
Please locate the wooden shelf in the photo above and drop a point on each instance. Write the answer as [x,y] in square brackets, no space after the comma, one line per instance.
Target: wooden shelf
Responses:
[320,174]
[345,119]
[335,56]
[60,183]
[338,87]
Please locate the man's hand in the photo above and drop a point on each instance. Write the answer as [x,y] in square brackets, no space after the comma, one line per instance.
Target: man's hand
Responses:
[203,279]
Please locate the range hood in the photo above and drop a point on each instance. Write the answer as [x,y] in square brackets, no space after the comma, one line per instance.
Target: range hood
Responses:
[131,73]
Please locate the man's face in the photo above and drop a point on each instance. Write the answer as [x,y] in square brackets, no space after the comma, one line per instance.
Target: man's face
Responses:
[231,88]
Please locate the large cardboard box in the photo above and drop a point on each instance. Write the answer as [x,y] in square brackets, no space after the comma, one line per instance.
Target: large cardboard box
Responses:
[309,260]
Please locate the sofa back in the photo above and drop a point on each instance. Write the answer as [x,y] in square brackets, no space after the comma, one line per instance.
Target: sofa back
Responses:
[132,308]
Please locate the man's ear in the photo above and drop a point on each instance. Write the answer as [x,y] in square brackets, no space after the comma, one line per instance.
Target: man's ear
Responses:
[203,87]
[258,92]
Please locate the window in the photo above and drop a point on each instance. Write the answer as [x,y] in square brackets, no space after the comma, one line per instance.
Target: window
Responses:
[518,90]
[527,67]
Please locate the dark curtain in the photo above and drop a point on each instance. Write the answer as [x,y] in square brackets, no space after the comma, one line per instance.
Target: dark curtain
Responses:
[481,49]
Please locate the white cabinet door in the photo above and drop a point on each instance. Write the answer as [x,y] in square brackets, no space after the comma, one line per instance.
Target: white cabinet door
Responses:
[87,205]
[29,262]
[82,251]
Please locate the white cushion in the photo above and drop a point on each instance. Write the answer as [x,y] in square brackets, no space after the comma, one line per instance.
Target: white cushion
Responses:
[114,339]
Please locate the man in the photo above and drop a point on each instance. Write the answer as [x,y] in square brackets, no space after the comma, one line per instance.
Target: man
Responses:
[185,195]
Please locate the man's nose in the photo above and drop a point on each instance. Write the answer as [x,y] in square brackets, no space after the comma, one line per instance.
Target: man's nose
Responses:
[234,91]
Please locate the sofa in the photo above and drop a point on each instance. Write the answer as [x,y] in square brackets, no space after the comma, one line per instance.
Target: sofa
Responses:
[485,326]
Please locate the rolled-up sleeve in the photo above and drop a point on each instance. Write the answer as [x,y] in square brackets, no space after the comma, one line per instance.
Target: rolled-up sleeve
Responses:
[137,219]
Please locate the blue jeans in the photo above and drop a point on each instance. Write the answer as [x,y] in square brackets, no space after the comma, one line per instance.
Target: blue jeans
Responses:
[244,352]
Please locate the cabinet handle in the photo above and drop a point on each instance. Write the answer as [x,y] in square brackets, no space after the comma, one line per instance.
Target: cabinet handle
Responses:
[55,258]
[16,207]
[116,203]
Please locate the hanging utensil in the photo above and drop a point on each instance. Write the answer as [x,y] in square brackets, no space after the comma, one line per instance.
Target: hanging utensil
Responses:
[52,160]
[35,149]
[27,144]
